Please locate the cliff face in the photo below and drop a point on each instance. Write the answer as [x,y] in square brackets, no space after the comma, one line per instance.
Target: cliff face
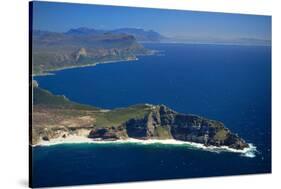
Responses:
[164,123]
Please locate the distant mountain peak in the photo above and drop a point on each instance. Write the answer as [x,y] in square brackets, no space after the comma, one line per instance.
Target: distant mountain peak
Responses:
[139,33]
[83,31]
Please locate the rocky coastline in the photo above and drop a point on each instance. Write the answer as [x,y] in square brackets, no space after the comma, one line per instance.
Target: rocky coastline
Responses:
[157,122]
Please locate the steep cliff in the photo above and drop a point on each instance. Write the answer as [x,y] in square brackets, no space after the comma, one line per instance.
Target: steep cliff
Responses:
[164,123]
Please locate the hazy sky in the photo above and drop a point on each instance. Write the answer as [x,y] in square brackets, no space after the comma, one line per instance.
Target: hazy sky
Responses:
[63,16]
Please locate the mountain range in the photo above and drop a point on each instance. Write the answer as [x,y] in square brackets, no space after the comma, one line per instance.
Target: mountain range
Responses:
[141,35]
[87,46]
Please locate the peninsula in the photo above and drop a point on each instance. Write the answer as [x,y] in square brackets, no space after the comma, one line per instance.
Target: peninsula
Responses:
[57,118]
[82,47]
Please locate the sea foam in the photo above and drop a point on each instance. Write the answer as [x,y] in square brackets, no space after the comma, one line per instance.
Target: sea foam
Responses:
[246,152]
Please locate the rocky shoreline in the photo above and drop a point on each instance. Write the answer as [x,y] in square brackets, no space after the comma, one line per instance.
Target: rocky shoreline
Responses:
[48,72]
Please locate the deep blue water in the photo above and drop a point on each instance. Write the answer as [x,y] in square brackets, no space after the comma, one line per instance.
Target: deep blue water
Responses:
[228,83]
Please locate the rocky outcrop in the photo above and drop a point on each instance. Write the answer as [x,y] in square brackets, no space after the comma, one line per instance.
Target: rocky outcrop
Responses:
[80,53]
[47,134]
[166,123]
[103,134]
[110,133]
[151,126]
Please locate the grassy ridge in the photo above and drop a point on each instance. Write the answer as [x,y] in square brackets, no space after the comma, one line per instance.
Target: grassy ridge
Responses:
[44,97]
[120,115]
[103,118]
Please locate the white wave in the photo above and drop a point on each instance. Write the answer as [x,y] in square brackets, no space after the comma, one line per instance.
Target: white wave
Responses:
[246,152]
[250,152]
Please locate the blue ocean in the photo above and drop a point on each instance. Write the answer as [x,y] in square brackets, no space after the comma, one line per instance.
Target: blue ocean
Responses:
[230,83]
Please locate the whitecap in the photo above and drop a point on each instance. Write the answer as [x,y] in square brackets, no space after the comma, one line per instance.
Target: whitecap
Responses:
[249,152]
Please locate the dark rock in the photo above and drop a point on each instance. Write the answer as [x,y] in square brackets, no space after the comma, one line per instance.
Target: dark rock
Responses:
[103,133]
[137,128]
[46,138]
[234,141]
